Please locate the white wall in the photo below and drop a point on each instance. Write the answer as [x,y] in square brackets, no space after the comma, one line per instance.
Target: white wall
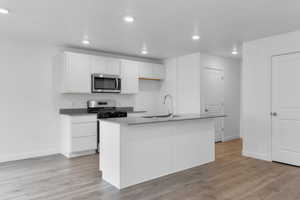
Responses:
[169,85]
[188,84]
[256,91]
[29,105]
[184,84]
[28,115]
[148,98]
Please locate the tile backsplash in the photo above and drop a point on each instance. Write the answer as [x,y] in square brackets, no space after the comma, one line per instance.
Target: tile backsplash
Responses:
[148,99]
[79,100]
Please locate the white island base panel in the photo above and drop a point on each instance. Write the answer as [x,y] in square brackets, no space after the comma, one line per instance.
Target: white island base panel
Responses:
[132,154]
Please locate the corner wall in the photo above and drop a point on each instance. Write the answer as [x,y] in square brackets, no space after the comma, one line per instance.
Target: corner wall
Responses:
[256,91]
[30,106]
[232,70]
[232,81]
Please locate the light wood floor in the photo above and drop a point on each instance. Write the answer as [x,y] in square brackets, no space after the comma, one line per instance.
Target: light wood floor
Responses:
[230,177]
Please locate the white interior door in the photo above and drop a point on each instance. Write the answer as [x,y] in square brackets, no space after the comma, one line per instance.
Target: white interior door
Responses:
[286,109]
[213,97]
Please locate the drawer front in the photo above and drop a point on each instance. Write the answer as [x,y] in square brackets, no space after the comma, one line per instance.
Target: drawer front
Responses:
[84,118]
[84,129]
[84,143]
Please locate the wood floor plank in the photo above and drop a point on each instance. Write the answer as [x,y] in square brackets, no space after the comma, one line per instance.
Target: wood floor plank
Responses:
[230,177]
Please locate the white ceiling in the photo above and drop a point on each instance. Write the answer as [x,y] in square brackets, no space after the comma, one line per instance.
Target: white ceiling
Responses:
[164,26]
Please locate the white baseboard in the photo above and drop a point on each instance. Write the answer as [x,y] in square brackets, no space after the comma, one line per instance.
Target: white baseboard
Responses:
[78,154]
[256,156]
[228,138]
[26,155]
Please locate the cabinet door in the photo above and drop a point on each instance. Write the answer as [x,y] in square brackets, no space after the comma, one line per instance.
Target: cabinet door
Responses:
[77,74]
[98,65]
[84,143]
[129,77]
[113,66]
[102,65]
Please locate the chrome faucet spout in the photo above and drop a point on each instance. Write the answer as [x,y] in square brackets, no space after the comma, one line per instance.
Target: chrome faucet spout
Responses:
[171,112]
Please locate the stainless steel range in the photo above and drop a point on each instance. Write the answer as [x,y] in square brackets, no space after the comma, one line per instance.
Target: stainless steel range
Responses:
[104,109]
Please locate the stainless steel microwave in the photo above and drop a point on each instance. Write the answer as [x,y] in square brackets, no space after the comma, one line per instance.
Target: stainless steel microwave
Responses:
[103,83]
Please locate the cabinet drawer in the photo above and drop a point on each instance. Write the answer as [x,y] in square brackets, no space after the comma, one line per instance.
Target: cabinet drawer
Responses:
[84,143]
[84,129]
[84,118]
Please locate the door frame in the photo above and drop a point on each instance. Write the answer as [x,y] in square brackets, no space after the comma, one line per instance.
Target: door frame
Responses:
[201,87]
[271,98]
[202,104]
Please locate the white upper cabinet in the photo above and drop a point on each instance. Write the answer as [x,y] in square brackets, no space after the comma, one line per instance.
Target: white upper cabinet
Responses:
[129,77]
[98,65]
[103,65]
[151,71]
[73,72]
[113,66]
[74,69]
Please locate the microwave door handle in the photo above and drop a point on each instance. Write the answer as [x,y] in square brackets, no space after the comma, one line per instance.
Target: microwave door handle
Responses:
[117,83]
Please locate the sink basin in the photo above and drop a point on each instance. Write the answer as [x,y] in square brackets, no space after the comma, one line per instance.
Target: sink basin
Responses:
[160,116]
[157,116]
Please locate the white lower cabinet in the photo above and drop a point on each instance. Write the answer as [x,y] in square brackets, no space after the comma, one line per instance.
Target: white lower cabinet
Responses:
[79,135]
[80,144]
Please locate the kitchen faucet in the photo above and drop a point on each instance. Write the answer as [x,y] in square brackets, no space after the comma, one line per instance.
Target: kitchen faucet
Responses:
[171,113]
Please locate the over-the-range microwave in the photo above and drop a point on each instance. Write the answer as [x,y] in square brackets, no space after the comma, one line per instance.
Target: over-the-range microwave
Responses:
[103,83]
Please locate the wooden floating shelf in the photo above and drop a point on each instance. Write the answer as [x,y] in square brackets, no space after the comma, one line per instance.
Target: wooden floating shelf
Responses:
[151,79]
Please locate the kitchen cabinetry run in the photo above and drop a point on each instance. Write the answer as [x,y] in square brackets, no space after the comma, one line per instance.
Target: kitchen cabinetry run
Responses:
[129,77]
[79,135]
[151,71]
[73,71]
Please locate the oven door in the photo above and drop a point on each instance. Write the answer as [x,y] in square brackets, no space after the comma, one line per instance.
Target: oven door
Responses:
[106,83]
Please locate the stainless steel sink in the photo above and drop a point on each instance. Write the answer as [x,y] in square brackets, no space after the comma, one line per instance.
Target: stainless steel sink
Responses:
[161,116]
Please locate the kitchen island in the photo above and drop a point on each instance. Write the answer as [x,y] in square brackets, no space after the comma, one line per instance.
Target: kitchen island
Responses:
[137,149]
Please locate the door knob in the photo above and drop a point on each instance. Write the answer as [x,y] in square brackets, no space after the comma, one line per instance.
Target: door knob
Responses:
[274,114]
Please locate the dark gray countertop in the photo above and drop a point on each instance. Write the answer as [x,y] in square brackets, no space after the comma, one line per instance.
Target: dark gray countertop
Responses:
[83,111]
[141,120]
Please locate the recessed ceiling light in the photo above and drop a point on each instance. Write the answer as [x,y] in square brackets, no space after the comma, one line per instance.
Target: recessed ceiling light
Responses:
[196,37]
[144,52]
[86,42]
[234,52]
[128,19]
[4,11]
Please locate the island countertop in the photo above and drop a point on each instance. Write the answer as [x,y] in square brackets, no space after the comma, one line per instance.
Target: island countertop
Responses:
[134,150]
[147,120]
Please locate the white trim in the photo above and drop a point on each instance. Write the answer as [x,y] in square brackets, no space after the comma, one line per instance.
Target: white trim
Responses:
[232,137]
[214,68]
[21,156]
[77,154]
[256,156]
